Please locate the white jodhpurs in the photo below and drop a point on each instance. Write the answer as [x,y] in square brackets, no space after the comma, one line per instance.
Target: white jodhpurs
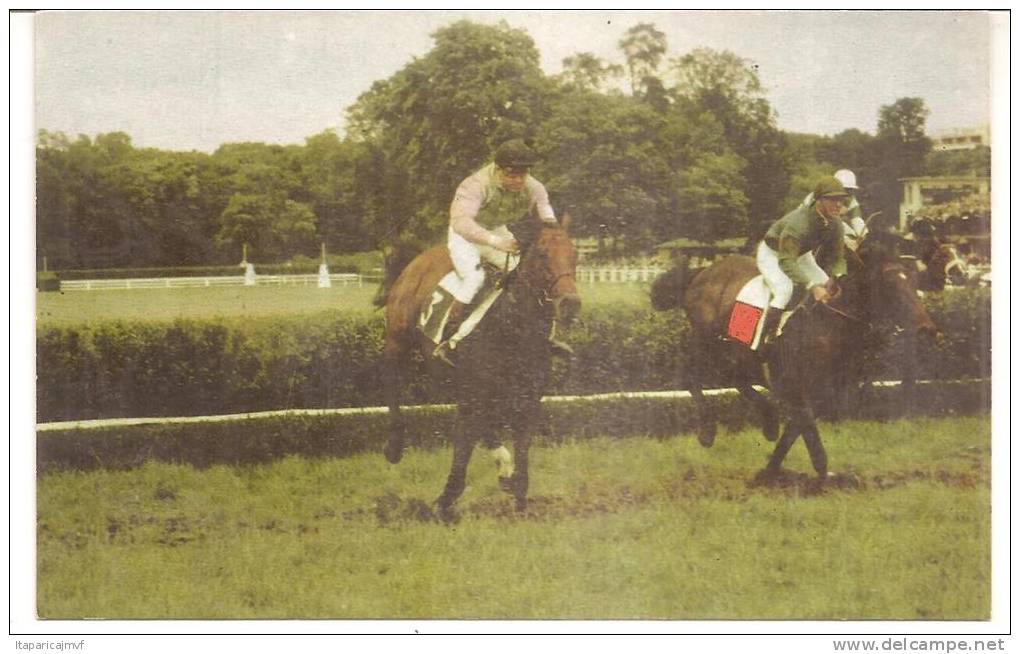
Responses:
[781,285]
[468,276]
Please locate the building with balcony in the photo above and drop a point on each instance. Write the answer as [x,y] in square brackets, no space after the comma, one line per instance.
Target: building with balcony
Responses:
[961,139]
[919,192]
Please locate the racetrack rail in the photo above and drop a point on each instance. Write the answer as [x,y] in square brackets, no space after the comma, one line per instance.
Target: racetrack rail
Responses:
[124,422]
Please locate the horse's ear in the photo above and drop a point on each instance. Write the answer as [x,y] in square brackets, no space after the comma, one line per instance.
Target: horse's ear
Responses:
[565,223]
[525,230]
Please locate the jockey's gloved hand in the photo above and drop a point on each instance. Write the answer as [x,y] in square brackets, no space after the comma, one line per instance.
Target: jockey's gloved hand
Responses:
[505,244]
[820,293]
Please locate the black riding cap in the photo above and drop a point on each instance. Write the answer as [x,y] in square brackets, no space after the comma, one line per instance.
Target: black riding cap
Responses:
[515,154]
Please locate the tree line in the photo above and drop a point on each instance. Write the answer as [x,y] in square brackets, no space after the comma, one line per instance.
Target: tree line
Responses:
[642,152]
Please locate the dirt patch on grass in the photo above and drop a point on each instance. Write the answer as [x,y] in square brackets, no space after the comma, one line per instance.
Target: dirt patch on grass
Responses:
[393,510]
[691,485]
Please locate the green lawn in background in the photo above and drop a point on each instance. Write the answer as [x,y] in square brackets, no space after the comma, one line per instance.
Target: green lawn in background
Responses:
[256,301]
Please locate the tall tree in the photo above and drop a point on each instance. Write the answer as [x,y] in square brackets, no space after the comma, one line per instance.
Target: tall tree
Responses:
[711,204]
[586,72]
[728,87]
[901,146]
[643,46]
[275,227]
[441,116]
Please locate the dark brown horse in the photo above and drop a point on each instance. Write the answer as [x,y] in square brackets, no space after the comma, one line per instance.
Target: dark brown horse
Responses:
[942,264]
[502,367]
[818,341]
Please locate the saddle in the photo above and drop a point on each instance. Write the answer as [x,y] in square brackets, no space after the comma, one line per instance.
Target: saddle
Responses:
[434,319]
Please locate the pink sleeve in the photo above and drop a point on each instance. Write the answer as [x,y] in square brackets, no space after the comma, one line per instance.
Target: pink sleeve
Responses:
[541,199]
[467,201]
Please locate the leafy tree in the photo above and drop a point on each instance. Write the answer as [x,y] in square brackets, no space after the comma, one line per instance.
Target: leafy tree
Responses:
[728,87]
[851,149]
[274,227]
[900,149]
[440,117]
[643,46]
[586,72]
[607,164]
[82,217]
[712,204]
[803,181]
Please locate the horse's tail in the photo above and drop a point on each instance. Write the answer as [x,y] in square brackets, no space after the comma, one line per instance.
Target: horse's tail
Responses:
[397,258]
[668,288]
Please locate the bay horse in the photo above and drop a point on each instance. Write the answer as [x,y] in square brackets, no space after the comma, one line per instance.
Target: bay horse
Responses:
[937,263]
[943,265]
[502,366]
[818,340]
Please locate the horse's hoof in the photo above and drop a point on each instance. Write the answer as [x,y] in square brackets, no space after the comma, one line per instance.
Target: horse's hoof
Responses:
[844,481]
[771,430]
[446,514]
[393,452]
[706,437]
[506,484]
[766,477]
[521,505]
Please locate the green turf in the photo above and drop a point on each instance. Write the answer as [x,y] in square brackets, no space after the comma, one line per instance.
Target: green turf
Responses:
[256,301]
[617,529]
[213,302]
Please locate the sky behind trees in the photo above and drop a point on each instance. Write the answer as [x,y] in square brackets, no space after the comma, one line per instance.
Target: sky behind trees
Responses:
[194,80]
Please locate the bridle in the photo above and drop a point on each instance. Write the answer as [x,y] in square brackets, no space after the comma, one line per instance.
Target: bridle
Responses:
[546,296]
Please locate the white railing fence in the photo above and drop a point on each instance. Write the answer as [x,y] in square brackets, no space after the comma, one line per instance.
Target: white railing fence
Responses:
[339,279]
[591,275]
[618,274]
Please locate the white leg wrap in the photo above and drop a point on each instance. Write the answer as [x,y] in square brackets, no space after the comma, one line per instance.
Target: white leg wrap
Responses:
[504,462]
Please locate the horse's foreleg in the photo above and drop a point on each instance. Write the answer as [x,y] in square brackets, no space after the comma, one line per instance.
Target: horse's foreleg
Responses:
[393,383]
[706,416]
[519,482]
[908,373]
[819,459]
[793,430]
[463,444]
[489,436]
[524,425]
[769,414]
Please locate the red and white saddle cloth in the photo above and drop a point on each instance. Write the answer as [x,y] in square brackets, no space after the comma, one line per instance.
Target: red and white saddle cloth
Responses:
[746,324]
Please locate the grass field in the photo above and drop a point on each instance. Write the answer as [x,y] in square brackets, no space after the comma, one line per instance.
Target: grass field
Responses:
[256,301]
[617,529]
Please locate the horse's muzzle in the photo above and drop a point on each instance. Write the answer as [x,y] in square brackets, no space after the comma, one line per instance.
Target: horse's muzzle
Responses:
[932,335]
[568,306]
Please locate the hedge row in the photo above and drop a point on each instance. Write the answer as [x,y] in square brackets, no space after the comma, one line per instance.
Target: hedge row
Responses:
[132,369]
[262,439]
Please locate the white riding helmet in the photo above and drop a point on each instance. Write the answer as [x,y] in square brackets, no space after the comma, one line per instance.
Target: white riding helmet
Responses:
[846,178]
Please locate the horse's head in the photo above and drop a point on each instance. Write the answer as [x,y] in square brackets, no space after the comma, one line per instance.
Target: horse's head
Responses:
[889,291]
[547,268]
[948,266]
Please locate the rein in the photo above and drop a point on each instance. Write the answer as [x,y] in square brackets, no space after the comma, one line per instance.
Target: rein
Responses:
[840,312]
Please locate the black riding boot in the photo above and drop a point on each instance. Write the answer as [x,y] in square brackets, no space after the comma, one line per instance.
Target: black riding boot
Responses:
[769,329]
[457,314]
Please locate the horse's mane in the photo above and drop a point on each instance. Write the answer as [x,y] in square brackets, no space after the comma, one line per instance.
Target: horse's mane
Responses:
[398,257]
[668,288]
